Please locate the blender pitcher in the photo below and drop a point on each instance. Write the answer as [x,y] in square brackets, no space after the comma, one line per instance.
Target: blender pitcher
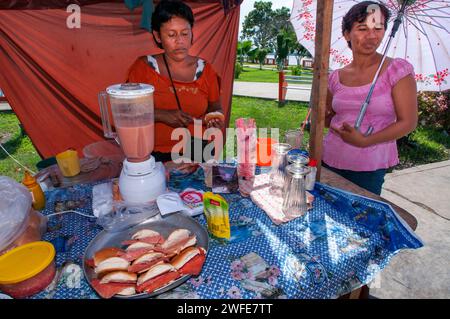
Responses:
[142,179]
[133,115]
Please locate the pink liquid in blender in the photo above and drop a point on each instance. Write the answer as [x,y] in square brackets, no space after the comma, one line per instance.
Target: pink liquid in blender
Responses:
[137,141]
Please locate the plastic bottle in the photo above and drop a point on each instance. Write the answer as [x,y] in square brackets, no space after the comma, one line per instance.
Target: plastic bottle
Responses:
[311,177]
[37,194]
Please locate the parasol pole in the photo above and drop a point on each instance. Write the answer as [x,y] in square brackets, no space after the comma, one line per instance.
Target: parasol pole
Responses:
[319,88]
[364,106]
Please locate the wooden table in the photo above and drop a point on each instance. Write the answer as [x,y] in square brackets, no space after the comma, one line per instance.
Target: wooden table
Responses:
[335,180]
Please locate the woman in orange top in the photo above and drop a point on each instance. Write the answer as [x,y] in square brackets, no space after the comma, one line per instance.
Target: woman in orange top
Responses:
[195,81]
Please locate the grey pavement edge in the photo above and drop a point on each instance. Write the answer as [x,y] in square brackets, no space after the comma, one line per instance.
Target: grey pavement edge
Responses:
[4,106]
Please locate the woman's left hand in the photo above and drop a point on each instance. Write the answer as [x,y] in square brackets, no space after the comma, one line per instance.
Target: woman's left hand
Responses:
[351,135]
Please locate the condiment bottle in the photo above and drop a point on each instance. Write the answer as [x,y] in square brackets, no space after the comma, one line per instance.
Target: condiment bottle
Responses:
[37,194]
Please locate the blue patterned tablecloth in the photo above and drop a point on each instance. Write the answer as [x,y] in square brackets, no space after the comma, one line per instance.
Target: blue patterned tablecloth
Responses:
[338,246]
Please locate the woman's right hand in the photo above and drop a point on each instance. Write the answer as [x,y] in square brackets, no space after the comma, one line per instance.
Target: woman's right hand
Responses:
[174,118]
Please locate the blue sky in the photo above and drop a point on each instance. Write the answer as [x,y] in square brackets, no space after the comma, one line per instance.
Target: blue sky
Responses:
[247,6]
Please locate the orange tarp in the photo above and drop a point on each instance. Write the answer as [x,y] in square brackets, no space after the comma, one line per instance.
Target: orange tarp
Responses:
[51,74]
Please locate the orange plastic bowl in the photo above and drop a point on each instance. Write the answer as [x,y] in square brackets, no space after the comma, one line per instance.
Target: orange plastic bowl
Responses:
[264,150]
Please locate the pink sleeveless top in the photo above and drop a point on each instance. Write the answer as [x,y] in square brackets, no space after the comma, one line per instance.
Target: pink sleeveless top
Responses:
[380,113]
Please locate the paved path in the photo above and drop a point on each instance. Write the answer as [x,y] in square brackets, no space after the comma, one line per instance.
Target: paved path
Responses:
[4,106]
[424,191]
[269,91]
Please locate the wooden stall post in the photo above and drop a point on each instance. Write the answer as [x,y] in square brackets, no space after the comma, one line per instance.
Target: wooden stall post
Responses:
[320,79]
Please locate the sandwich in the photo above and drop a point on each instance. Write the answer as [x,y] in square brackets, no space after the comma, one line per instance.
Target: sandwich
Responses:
[139,245]
[214,115]
[146,261]
[145,235]
[156,277]
[177,241]
[111,264]
[190,261]
[103,254]
[136,250]
[120,276]
[107,290]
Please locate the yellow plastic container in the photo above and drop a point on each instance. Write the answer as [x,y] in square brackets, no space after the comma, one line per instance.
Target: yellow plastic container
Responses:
[68,163]
[38,197]
[27,269]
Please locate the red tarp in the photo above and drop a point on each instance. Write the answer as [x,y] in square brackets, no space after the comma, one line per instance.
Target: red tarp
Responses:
[51,74]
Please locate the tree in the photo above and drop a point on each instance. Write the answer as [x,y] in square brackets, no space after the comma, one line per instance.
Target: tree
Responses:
[243,49]
[280,20]
[257,24]
[252,54]
[262,25]
[296,48]
[261,56]
[283,48]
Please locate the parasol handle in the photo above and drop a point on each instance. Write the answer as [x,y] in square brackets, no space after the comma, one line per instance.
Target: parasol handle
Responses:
[363,109]
[399,18]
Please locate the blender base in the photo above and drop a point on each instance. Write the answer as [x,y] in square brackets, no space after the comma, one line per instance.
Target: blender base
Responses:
[142,182]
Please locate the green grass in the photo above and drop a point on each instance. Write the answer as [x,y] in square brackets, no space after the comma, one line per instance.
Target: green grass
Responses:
[257,75]
[18,145]
[268,115]
[425,145]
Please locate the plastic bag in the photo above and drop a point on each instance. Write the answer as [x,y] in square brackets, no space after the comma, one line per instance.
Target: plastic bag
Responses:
[102,199]
[15,205]
[124,215]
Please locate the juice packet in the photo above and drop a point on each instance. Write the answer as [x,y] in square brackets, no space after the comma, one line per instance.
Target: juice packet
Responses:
[216,212]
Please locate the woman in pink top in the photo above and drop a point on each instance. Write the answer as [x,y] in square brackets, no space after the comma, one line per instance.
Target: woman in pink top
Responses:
[392,110]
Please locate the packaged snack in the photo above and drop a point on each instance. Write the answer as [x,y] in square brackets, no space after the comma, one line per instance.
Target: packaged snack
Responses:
[193,200]
[216,212]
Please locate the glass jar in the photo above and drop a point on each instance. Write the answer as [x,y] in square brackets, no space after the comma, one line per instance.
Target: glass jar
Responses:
[279,162]
[294,195]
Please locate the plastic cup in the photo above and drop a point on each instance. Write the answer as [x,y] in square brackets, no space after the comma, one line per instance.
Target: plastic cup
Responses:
[264,150]
[68,163]
[294,138]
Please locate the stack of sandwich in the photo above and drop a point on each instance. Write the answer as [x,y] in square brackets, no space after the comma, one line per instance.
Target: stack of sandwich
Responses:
[149,262]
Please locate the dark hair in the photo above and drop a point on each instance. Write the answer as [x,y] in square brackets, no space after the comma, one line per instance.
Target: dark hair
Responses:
[359,13]
[166,10]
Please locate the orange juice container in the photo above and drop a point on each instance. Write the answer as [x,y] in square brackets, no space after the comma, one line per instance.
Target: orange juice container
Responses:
[37,194]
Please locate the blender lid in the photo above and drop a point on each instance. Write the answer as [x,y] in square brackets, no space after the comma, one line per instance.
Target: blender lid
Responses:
[130,90]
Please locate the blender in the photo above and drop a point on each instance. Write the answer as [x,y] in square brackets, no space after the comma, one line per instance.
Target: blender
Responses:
[142,179]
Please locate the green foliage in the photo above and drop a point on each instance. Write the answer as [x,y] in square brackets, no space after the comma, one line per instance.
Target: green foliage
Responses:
[296,70]
[261,56]
[243,49]
[262,24]
[252,55]
[424,145]
[237,70]
[283,48]
[257,24]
